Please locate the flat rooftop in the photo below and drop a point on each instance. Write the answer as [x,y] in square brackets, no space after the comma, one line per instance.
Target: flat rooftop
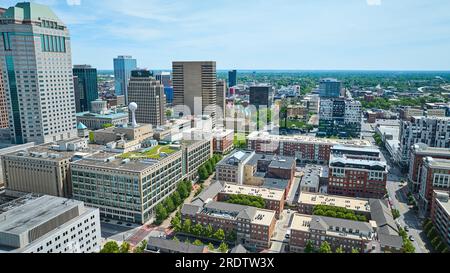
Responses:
[111,115]
[301,222]
[265,136]
[265,193]
[438,163]
[263,217]
[355,204]
[20,216]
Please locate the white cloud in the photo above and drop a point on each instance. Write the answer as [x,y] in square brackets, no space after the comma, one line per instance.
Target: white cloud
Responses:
[373,2]
[73,2]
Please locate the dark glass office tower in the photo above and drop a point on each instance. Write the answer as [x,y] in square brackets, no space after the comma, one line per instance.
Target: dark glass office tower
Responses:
[87,78]
[232,78]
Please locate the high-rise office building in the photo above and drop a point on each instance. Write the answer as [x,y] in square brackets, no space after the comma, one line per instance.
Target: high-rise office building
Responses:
[232,78]
[165,78]
[3,105]
[79,93]
[195,80]
[221,94]
[35,55]
[123,65]
[261,95]
[87,77]
[330,88]
[148,93]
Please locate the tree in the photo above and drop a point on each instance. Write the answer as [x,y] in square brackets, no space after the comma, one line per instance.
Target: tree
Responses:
[325,248]
[197,243]
[141,247]
[211,247]
[170,206]
[187,226]
[176,197]
[161,213]
[408,247]
[203,173]
[340,250]
[176,223]
[309,248]
[168,113]
[355,251]
[110,247]
[219,235]
[124,247]
[223,247]
[182,190]
[209,167]
[197,230]
[231,236]
[208,231]
[107,125]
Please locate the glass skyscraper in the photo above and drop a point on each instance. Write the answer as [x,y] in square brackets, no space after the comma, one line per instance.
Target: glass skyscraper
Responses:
[87,77]
[232,78]
[123,65]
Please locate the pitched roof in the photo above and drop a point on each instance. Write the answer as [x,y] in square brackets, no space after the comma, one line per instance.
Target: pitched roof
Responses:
[382,215]
[173,246]
[210,192]
[239,249]
[190,209]
[395,241]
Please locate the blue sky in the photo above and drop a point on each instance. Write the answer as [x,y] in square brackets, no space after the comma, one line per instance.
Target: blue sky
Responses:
[260,34]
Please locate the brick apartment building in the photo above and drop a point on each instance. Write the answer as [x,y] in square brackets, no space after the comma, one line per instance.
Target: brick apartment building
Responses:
[440,215]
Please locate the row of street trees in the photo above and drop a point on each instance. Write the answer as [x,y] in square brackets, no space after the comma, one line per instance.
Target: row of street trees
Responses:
[436,241]
[208,167]
[325,247]
[113,247]
[170,204]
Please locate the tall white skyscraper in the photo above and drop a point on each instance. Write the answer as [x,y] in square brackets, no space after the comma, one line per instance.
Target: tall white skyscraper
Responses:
[36,62]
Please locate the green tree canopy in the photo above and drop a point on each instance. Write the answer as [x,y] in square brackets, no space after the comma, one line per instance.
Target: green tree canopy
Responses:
[110,247]
[325,248]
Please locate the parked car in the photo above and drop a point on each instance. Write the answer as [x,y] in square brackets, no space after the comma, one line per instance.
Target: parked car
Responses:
[411,238]
[406,228]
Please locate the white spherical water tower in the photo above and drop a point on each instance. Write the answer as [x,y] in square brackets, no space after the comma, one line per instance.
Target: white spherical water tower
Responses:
[133,107]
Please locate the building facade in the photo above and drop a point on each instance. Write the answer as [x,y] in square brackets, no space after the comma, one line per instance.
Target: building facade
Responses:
[194,85]
[440,215]
[87,78]
[123,65]
[221,95]
[340,117]
[232,78]
[330,88]
[3,104]
[35,57]
[261,95]
[149,95]
[48,224]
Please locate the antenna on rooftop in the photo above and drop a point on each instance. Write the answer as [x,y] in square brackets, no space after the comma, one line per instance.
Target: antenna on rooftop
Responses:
[133,107]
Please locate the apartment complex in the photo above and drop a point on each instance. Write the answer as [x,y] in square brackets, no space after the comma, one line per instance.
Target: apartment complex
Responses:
[148,94]
[273,198]
[340,117]
[123,65]
[307,201]
[440,215]
[306,149]
[418,153]
[48,224]
[194,87]
[343,233]
[87,83]
[36,61]
[432,131]
[44,168]
[124,189]
[254,227]
[434,175]
[357,172]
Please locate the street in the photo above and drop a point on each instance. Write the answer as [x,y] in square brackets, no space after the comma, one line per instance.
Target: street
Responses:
[279,241]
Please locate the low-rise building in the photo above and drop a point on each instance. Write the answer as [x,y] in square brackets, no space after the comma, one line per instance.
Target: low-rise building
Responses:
[440,215]
[45,168]
[130,188]
[100,116]
[48,224]
[310,178]
[223,140]
[305,149]
[307,201]
[162,245]
[126,133]
[343,233]
[254,227]
[231,168]
[273,199]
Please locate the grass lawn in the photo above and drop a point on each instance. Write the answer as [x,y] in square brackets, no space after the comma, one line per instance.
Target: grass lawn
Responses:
[151,154]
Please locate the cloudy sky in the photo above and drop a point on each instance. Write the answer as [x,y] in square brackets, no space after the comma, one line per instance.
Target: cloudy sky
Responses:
[260,34]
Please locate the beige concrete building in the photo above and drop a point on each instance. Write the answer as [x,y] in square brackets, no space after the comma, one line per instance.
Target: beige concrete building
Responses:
[129,133]
[195,81]
[221,91]
[45,168]
[148,94]
[195,154]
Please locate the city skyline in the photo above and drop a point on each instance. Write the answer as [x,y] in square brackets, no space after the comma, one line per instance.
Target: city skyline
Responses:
[260,35]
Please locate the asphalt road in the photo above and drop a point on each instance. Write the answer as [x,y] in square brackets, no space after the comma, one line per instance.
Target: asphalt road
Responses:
[279,242]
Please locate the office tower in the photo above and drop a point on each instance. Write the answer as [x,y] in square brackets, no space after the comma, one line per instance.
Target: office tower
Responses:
[148,93]
[123,65]
[195,80]
[79,93]
[87,77]
[168,91]
[330,88]
[47,224]
[165,78]
[3,105]
[432,131]
[221,93]
[232,78]
[340,117]
[261,95]
[36,56]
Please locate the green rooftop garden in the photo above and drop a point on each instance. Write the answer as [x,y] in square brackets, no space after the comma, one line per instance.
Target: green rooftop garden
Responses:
[153,153]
